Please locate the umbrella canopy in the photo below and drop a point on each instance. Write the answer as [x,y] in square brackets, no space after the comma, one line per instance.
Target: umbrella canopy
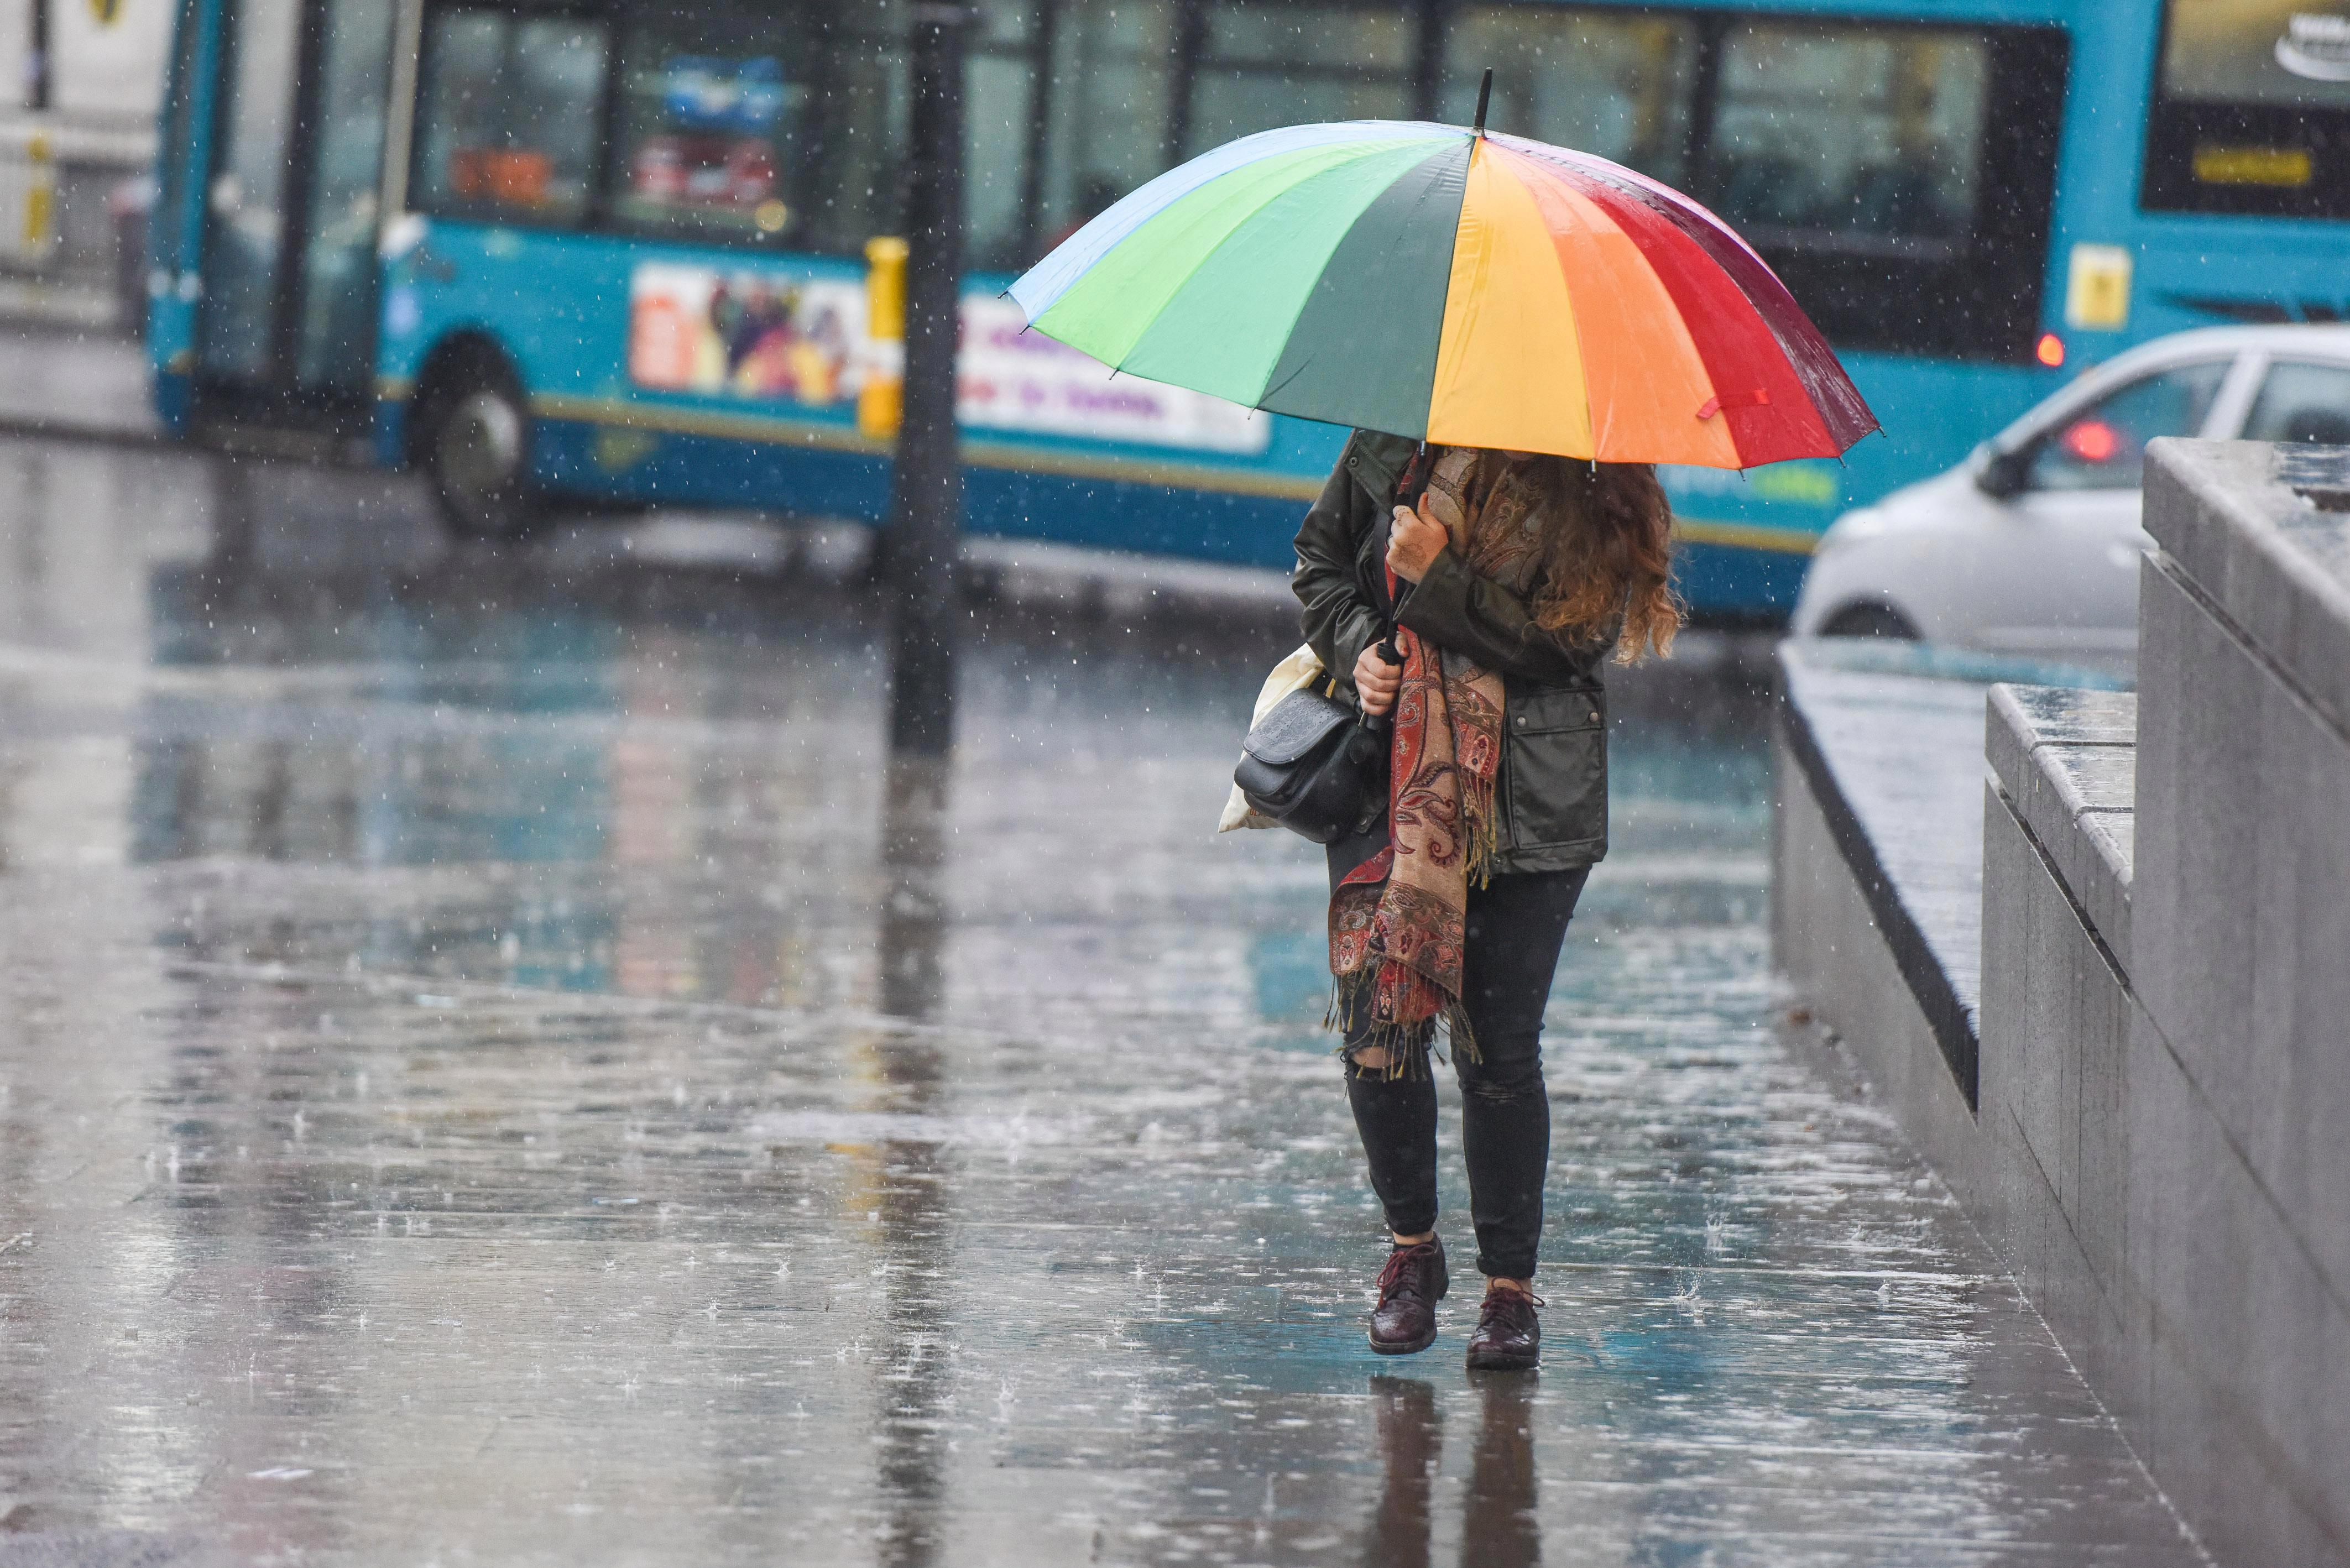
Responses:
[1438,282]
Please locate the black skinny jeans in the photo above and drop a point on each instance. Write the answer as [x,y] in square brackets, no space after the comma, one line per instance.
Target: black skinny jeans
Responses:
[1515,926]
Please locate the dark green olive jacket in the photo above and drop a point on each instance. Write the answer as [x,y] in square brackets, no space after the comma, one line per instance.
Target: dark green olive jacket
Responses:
[1552,793]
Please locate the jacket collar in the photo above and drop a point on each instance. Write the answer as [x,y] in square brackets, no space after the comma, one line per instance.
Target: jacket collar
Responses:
[1377,461]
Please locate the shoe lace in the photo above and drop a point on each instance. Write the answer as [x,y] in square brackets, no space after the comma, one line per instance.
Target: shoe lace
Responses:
[1501,1303]
[1401,1271]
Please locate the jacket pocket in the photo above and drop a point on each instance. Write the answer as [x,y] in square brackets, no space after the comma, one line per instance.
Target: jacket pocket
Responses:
[1556,759]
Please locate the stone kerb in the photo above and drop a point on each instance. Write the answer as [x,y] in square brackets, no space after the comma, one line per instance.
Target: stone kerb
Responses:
[2066,761]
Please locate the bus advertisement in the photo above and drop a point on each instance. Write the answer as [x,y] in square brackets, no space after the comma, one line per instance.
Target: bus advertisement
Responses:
[550,250]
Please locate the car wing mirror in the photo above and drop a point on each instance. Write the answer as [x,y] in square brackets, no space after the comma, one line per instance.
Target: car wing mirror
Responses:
[2005,475]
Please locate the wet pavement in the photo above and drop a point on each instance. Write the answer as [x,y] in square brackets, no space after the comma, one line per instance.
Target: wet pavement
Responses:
[495,1067]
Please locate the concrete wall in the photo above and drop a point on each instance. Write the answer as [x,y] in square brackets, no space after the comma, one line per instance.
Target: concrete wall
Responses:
[2130,1211]
[2241,959]
[1827,937]
[2166,1019]
[2164,1052]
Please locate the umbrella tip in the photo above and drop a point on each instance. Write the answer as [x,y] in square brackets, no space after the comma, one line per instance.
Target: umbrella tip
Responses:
[1484,97]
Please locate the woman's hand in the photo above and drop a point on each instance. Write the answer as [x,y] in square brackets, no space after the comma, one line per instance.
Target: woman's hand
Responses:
[1376,681]
[1417,540]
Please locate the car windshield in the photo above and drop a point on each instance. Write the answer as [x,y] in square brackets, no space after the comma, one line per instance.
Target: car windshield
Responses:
[2103,446]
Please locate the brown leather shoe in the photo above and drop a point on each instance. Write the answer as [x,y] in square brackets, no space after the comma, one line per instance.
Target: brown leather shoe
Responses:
[1410,1285]
[1509,1334]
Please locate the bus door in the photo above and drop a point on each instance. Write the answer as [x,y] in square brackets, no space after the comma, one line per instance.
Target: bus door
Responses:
[286,327]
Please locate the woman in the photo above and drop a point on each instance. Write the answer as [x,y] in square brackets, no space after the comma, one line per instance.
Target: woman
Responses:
[1517,576]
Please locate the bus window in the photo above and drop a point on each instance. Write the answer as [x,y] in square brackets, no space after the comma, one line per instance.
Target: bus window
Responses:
[1111,91]
[1263,66]
[999,115]
[246,206]
[1850,137]
[1597,81]
[707,111]
[336,344]
[845,158]
[763,123]
[2251,109]
[2303,402]
[1001,23]
[508,128]
[1898,178]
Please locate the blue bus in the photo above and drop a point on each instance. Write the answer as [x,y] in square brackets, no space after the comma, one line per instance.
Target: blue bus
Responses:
[576,249]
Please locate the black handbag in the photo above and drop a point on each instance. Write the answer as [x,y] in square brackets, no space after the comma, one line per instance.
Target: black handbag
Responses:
[1314,764]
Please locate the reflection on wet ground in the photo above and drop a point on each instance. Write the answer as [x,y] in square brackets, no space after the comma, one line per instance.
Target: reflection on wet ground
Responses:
[496,1067]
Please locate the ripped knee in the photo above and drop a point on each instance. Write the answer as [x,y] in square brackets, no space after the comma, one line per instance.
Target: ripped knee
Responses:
[1384,1062]
[1504,1089]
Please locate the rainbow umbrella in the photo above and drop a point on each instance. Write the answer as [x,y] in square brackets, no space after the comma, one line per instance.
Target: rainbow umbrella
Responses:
[1442,283]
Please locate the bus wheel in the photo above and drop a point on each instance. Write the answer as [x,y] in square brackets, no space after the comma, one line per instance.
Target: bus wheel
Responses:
[475,445]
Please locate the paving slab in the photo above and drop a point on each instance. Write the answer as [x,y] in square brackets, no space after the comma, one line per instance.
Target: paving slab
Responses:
[1905,747]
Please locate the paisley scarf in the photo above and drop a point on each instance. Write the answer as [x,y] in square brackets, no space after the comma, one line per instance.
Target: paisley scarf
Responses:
[1397,922]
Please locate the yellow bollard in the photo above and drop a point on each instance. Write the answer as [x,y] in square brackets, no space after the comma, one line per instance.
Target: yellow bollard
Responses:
[41,197]
[881,401]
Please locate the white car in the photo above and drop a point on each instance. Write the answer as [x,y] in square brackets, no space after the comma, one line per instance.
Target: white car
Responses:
[2030,547]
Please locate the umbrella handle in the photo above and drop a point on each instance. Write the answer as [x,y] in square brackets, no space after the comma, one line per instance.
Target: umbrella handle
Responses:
[1388,649]
[1415,473]
[1410,490]
[1484,97]
[1378,722]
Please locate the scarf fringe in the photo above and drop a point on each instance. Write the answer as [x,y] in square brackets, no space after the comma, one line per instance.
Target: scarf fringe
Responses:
[1408,1052]
[1484,846]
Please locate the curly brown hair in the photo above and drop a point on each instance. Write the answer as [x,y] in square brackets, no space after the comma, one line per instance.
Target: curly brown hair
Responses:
[1610,553]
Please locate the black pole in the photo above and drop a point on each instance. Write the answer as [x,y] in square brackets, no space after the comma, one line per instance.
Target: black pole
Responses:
[926,507]
[36,70]
[1191,43]
[1428,58]
[1484,97]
